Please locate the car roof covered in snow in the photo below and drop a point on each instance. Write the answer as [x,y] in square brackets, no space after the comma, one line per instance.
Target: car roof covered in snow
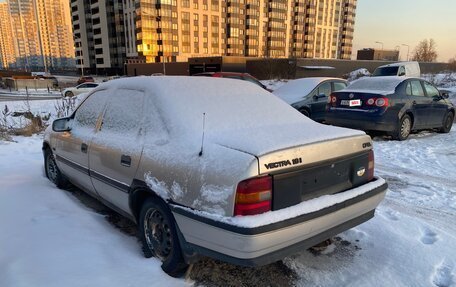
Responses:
[235,113]
[375,85]
[295,90]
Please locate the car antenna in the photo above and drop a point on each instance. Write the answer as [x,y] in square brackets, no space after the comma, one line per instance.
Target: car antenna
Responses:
[202,140]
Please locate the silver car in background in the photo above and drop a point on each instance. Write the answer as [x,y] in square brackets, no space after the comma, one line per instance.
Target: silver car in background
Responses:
[214,167]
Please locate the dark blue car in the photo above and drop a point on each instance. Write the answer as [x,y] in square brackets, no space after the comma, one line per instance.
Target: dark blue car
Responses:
[310,95]
[395,105]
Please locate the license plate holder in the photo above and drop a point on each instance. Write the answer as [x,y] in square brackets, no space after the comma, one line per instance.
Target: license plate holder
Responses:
[351,103]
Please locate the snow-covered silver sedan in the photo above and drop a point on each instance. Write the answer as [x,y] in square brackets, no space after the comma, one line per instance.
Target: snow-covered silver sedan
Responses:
[214,167]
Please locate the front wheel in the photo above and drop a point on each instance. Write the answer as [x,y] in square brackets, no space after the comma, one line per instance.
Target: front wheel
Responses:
[53,172]
[305,112]
[157,231]
[447,123]
[403,129]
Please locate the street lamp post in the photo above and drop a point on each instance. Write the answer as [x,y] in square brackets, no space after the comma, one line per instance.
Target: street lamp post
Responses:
[381,43]
[408,50]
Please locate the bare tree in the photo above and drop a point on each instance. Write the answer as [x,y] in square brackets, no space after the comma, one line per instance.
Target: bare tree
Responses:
[425,51]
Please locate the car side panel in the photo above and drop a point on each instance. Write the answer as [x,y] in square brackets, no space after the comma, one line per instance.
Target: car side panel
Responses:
[115,151]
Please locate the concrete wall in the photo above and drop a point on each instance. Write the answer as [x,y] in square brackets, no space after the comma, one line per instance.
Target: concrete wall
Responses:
[268,68]
[31,84]
[279,68]
[176,68]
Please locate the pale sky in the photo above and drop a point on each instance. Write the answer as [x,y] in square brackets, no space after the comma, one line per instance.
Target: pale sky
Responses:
[397,22]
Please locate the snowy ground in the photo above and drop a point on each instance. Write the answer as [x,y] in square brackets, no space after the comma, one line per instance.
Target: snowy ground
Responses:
[50,238]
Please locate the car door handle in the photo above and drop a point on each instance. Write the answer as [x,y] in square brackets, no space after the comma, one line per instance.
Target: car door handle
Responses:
[125,160]
[414,103]
[84,148]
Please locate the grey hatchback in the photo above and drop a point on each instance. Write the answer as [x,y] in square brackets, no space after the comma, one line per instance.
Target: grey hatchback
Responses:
[209,172]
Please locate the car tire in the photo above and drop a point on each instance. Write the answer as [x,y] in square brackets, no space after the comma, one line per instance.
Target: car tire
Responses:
[158,234]
[69,94]
[447,123]
[305,112]
[404,128]
[53,172]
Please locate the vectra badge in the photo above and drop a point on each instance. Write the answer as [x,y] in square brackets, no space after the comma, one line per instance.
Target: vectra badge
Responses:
[361,171]
[351,96]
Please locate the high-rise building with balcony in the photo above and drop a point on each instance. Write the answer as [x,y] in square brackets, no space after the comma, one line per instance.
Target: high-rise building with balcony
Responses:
[7,57]
[55,32]
[98,30]
[40,33]
[170,30]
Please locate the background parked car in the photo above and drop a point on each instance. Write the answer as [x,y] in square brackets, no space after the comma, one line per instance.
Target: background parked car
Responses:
[250,191]
[233,75]
[310,95]
[406,69]
[79,89]
[86,79]
[395,105]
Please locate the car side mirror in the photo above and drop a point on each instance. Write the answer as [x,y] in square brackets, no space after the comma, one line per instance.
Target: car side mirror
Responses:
[319,96]
[61,125]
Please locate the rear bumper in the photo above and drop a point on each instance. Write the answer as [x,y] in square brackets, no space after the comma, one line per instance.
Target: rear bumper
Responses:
[264,244]
[361,121]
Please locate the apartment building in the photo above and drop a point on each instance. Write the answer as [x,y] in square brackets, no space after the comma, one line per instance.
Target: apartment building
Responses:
[55,32]
[7,57]
[109,34]
[36,34]
[98,30]
[171,30]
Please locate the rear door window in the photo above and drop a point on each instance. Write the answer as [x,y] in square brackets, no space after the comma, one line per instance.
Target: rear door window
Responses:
[123,114]
[417,89]
[339,86]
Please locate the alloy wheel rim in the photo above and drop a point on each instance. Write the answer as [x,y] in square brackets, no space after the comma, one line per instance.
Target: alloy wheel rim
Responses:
[157,234]
[405,128]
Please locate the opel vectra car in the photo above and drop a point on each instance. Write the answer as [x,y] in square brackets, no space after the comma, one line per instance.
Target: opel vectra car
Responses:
[310,95]
[214,171]
[395,105]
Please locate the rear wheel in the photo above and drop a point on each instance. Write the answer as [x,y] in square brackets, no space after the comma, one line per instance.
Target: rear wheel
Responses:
[403,129]
[52,170]
[157,231]
[447,123]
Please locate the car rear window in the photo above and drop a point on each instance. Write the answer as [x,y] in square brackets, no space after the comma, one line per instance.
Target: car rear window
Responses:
[383,84]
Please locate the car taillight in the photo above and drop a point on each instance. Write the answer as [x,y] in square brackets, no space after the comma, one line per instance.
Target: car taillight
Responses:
[370,166]
[332,99]
[379,102]
[253,196]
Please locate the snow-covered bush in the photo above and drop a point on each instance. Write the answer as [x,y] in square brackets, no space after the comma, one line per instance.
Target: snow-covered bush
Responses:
[356,74]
